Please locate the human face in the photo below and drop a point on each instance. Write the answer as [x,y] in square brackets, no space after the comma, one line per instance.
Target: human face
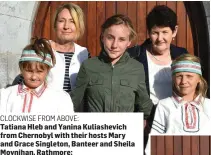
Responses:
[161,38]
[186,83]
[116,40]
[65,27]
[34,76]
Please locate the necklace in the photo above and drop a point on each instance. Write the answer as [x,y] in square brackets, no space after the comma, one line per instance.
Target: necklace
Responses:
[157,58]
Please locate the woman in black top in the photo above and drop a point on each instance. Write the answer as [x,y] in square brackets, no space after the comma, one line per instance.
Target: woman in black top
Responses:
[157,53]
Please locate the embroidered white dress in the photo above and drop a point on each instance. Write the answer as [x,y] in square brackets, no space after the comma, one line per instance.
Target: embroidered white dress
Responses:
[19,99]
[174,116]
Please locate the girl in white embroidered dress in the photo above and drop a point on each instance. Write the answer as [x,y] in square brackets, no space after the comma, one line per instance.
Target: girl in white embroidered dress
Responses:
[188,111]
[33,94]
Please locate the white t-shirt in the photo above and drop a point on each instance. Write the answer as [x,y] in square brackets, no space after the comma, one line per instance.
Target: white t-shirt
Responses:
[160,80]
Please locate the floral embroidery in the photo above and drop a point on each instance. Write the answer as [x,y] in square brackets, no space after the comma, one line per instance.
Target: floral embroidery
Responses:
[190,113]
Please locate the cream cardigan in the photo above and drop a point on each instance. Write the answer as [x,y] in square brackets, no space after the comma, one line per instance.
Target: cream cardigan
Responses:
[55,77]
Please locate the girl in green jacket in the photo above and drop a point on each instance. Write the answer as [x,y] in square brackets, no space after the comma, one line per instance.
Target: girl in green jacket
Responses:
[112,81]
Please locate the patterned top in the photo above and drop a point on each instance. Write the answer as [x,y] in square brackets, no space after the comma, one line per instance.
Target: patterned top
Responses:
[175,116]
[19,99]
[29,95]
[68,56]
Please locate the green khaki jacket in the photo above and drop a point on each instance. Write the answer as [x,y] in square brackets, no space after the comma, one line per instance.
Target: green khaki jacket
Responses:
[107,88]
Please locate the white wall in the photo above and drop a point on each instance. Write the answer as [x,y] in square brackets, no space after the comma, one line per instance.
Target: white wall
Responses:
[15,32]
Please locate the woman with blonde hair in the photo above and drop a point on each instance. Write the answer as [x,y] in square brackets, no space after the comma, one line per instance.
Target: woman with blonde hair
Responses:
[69,27]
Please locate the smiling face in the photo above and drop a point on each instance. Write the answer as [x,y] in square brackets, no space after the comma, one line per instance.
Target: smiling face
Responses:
[34,74]
[161,38]
[186,83]
[65,27]
[116,40]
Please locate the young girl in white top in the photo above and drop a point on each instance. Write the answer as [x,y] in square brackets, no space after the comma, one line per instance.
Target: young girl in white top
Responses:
[33,94]
[188,111]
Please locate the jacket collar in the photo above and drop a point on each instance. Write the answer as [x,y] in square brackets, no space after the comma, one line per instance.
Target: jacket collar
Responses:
[105,58]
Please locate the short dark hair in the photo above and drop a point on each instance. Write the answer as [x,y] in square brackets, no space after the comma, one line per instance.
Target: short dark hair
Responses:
[161,16]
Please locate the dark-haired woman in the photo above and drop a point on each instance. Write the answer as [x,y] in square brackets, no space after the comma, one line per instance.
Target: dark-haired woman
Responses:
[156,54]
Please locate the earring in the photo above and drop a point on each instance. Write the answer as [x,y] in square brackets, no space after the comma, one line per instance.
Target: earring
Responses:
[173,38]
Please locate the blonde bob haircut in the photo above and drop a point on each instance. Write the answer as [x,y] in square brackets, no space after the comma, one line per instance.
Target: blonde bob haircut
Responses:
[202,86]
[77,15]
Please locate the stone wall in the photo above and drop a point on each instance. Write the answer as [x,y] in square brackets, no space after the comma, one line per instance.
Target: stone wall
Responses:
[15,31]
